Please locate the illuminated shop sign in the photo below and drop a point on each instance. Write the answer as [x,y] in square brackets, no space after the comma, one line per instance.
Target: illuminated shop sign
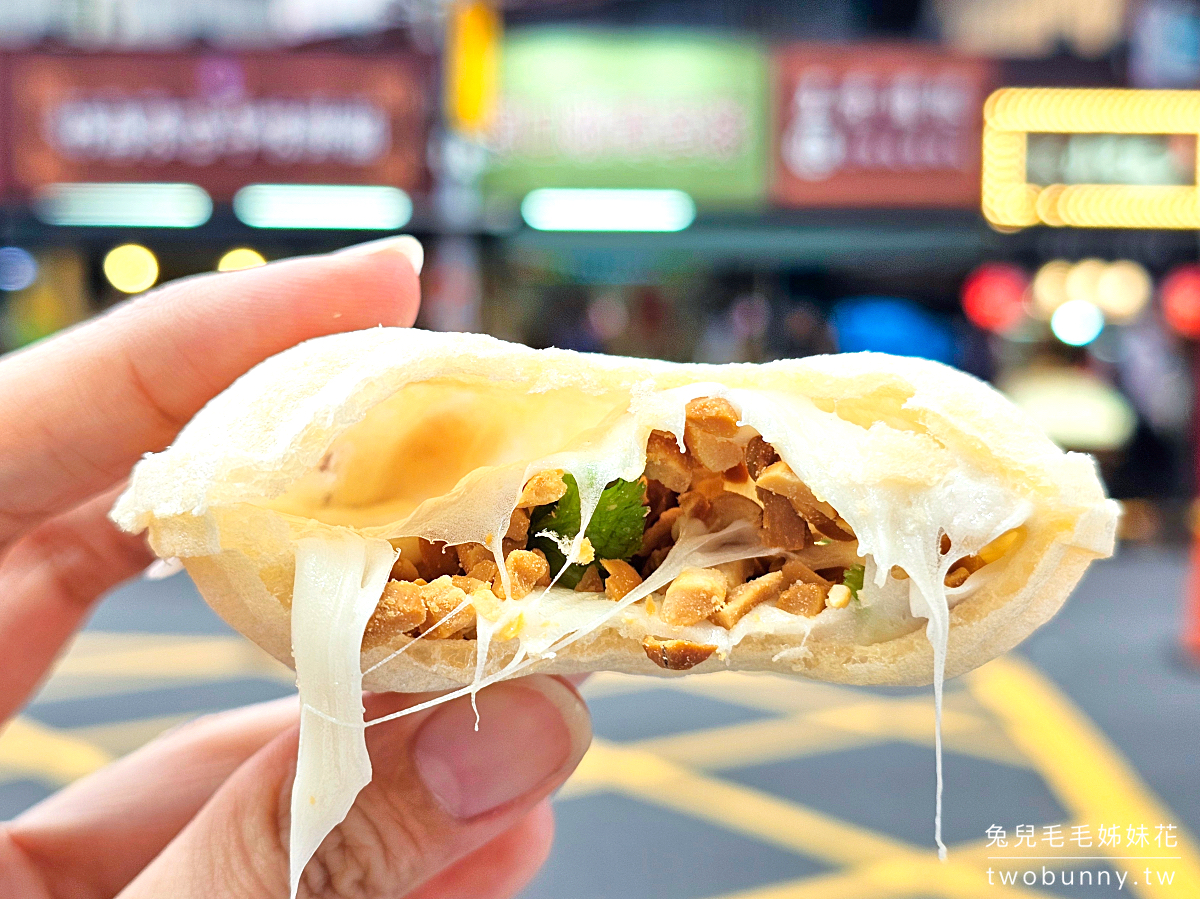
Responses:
[876,126]
[599,110]
[205,132]
[218,121]
[1144,176]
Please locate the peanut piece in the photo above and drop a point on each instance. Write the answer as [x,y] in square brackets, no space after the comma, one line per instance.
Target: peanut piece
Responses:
[404,570]
[471,554]
[518,526]
[543,488]
[665,463]
[436,559]
[400,610]
[676,655]
[441,597]
[782,525]
[802,599]
[621,578]
[694,595]
[729,507]
[713,452]
[759,454]
[525,569]
[957,577]
[746,596]
[838,596]
[591,581]
[713,415]
[779,478]
[659,533]
[484,570]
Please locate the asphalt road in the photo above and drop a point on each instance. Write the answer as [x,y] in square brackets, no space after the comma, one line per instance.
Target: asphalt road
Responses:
[765,787]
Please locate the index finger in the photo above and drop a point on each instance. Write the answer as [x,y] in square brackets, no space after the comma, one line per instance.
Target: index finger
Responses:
[79,409]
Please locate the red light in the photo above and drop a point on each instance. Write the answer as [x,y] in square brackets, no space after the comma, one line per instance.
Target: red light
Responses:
[993,296]
[1181,300]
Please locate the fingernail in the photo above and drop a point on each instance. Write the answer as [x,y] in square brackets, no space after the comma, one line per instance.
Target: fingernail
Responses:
[404,244]
[530,730]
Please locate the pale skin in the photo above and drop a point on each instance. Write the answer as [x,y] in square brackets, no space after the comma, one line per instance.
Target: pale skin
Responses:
[203,810]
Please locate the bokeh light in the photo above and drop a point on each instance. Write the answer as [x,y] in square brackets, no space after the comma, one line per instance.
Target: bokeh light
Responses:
[1012,113]
[892,325]
[1076,409]
[1050,287]
[239,258]
[18,268]
[1083,279]
[993,297]
[1077,322]
[1181,300]
[608,316]
[131,268]
[1123,290]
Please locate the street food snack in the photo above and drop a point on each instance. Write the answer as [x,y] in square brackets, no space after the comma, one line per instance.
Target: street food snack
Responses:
[394,509]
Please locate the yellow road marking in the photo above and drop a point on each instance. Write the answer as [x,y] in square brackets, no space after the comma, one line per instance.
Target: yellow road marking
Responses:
[798,736]
[890,867]
[171,658]
[1081,766]
[122,737]
[751,743]
[1006,712]
[29,748]
[732,806]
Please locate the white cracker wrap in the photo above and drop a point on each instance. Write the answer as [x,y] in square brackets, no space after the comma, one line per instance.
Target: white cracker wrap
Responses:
[358,430]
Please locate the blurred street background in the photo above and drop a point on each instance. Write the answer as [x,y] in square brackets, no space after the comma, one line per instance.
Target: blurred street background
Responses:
[699,180]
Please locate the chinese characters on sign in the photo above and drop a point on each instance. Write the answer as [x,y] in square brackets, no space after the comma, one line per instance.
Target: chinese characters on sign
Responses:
[1134,836]
[217,120]
[886,127]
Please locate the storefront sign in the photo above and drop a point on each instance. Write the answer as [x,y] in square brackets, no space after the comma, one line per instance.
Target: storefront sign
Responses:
[220,121]
[582,109]
[877,126]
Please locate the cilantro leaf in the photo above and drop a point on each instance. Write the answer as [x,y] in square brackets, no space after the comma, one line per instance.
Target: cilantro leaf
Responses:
[615,530]
[563,516]
[618,523]
[854,579]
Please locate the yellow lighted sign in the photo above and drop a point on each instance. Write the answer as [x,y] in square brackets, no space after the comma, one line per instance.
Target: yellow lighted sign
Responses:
[1011,114]
[474,31]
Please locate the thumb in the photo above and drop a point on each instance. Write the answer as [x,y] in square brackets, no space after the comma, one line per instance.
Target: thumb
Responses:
[440,790]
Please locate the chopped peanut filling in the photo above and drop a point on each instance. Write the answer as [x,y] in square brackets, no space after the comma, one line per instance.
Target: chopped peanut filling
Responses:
[745,597]
[525,570]
[803,599]
[518,526]
[400,609]
[591,582]
[543,488]
[694,595]
[838,596]
[725,475]
[441,597]
[666,464]
[404,570]
[676,655]
[622,577]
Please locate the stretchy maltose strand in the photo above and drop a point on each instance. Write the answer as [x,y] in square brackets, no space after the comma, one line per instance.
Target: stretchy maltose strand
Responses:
[441,511]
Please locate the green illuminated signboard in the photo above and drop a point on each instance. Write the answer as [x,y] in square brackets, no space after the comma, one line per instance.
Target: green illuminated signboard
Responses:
[646,110]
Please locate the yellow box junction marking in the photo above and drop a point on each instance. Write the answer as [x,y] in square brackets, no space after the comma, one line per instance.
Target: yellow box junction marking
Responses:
[1006,712]
[1012,113]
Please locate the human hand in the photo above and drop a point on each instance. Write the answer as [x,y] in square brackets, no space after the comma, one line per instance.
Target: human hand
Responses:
[203,811]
